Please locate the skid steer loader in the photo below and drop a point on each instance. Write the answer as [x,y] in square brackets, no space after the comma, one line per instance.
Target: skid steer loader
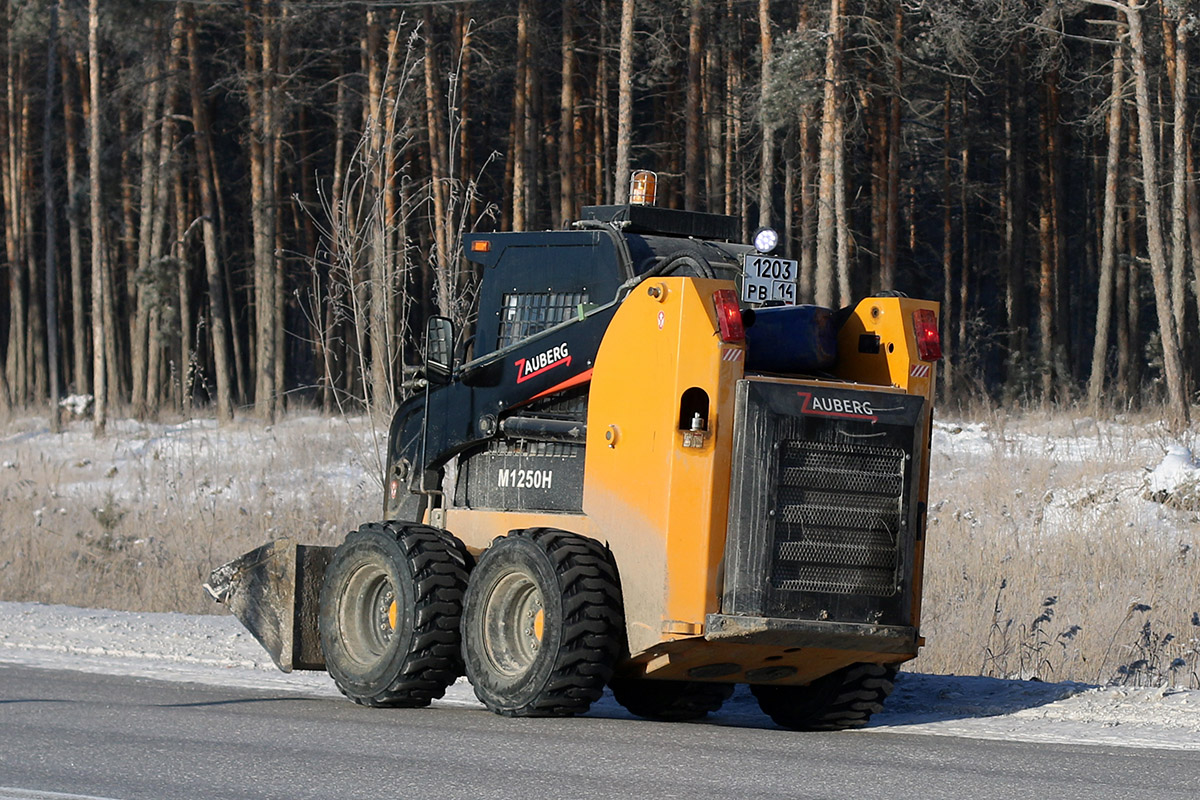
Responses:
[642,469]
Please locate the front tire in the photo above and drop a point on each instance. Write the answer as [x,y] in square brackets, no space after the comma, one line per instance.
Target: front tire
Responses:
[389,614]
[839,701]
[541,623]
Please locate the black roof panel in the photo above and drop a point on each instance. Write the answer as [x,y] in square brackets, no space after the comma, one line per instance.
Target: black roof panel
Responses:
[667,221]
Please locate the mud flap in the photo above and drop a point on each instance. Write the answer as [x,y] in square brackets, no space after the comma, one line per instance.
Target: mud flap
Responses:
[275,590]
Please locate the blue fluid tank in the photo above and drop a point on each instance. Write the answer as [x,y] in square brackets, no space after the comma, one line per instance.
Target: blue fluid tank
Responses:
[791,339]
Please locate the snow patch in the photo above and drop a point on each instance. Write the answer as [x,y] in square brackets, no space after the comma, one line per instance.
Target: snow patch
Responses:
[1176,480]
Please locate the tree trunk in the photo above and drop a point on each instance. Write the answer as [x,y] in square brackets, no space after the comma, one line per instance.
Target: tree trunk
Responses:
[279,261]
[712,110]
[253,81]
[1046,271]
[693,162]
[840,211]
[1058,243]
[826,220]
[466,164]
[439,181]
[1015,222]
[327,335]
[808,211]
[625,104]
[74,237]
[51,219]
[958,347]
[100,393]
[219,324]
[603,144]
[271,325]
[6,141]
[392,223]
[520,123]
[259,64]
[1128,290]
[767,174]
[534,123]
[379,396]
[121,286]
[733,109]
[1193,203]
[141,283]
[113,374]
[875,123]
[946,373]
[160,250]
[1179,78]
[1108,236]
[566,135]
[15,237]
[889,255]
[439,152]
[182,368]
[1177,403]
[36,340]
[787,235]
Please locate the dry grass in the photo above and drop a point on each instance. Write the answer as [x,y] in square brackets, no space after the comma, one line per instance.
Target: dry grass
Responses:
[1044,559]
[139,520]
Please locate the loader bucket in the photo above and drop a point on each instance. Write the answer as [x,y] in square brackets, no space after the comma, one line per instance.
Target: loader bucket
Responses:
[274,590]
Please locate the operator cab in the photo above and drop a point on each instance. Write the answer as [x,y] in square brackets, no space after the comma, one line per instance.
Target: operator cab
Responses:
[532,282]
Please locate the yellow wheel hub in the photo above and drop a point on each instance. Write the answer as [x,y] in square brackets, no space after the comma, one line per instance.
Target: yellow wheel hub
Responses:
[514,623]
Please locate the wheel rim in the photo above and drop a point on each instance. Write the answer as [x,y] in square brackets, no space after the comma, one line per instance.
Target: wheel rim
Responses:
[514,622]
[368,613]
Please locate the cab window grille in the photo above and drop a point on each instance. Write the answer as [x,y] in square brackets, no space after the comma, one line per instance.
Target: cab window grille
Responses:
[526,314]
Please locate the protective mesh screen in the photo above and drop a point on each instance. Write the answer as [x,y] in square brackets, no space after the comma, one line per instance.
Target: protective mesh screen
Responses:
[525,314]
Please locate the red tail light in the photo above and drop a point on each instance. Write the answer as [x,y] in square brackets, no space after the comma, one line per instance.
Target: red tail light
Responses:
[729,316]
[929,343]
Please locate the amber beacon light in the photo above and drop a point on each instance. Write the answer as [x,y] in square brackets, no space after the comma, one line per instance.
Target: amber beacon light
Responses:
[643,187]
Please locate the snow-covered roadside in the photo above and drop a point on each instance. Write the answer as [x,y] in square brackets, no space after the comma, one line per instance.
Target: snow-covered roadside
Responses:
[216,650]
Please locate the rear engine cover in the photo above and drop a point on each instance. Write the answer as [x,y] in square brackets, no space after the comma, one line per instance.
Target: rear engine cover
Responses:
[823,516]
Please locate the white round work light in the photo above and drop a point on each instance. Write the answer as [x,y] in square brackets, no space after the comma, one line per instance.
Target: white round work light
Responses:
[765,239]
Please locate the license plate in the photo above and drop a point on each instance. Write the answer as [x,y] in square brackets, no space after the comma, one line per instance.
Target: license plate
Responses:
[770,279]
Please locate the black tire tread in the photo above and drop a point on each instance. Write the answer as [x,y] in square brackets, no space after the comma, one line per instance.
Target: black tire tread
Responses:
[670,700]
[843,700]
[438,562]
[592,624]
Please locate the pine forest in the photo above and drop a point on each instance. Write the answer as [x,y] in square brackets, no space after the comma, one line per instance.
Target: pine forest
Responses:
[229,207]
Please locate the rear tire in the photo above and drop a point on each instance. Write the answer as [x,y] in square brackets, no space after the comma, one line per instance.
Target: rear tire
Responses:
[670,701]
[541,623]
[839,701]
[389,614]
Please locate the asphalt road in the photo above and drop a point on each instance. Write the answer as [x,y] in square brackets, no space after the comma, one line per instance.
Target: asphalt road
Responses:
[67,734]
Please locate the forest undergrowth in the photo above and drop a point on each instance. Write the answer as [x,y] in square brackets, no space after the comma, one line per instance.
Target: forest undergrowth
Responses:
[136,520]
[1046,557]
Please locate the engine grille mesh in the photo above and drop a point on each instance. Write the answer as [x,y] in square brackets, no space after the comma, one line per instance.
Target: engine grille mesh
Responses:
[838,516]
